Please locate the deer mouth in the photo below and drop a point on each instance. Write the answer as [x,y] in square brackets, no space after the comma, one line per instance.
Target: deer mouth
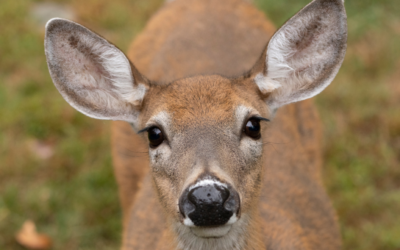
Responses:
[211,232]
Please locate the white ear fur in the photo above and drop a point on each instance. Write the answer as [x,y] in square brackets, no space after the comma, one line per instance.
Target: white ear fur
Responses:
[304,56]
[91,74]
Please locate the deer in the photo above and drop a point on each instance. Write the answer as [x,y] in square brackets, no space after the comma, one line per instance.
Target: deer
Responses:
[216,143]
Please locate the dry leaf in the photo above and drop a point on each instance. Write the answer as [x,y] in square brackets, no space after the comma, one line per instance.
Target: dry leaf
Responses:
[40,149]
[31,239]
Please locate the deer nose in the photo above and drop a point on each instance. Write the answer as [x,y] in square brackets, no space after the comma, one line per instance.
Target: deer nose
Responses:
[208,205]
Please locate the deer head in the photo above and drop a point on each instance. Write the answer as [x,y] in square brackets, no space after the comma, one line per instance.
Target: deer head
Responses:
[205,133]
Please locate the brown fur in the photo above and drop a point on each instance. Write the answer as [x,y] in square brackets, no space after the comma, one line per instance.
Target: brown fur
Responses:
[226,37]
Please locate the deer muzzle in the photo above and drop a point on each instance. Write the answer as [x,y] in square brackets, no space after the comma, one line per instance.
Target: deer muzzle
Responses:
[209,203]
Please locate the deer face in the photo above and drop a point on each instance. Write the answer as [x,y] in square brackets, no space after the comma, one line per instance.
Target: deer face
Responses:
[205,148]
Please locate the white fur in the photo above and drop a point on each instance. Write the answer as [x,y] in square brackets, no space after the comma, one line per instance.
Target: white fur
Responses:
[117,65]
[211,232]
[207,182]
[188,222]
[232,220]
[266,84]
[233,239]
[278,51]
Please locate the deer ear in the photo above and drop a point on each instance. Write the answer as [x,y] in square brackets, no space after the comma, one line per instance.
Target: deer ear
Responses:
[304,55]
[92,75]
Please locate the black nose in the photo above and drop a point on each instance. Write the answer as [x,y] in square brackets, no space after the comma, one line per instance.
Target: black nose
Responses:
[209,205]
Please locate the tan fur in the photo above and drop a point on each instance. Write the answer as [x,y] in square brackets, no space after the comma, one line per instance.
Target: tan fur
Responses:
[129,155]
[187,38]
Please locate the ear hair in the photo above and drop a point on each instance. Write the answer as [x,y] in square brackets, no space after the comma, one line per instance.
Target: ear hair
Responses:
[92,75]
[303,57]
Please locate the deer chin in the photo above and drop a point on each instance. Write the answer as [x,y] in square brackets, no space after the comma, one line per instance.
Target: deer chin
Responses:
[211,232]
[231,235]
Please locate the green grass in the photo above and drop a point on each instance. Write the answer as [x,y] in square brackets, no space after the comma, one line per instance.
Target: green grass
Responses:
[72,196]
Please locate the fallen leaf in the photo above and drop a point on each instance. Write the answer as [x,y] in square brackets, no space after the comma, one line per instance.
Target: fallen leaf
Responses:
[42,150]
[31,239]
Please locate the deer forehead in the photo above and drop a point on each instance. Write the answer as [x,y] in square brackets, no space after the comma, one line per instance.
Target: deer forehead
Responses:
[200,102]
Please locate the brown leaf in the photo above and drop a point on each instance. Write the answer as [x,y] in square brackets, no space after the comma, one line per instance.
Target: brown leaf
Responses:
[31,239]
[40,149]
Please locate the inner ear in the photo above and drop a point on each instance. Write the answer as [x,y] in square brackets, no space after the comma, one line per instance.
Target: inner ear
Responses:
[87,65]
[305,54]
[92,75]
[306,36]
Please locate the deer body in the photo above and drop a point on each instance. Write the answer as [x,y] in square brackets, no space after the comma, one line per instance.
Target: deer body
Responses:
[212,177]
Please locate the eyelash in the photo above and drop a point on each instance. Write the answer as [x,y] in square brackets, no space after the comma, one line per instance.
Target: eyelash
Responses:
[259,118]
[146,129]
[255,117]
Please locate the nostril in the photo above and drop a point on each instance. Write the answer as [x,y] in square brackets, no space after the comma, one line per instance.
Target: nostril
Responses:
[231,204]
[224,194]
[185,206]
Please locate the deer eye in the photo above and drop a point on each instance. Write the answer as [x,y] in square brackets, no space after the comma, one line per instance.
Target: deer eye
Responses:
[155,136]
[252,128]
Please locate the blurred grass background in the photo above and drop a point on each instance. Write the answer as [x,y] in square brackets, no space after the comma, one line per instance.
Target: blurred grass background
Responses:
[55,164]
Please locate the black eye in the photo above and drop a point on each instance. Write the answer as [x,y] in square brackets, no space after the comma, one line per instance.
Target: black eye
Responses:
[155,136]
[252,128]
